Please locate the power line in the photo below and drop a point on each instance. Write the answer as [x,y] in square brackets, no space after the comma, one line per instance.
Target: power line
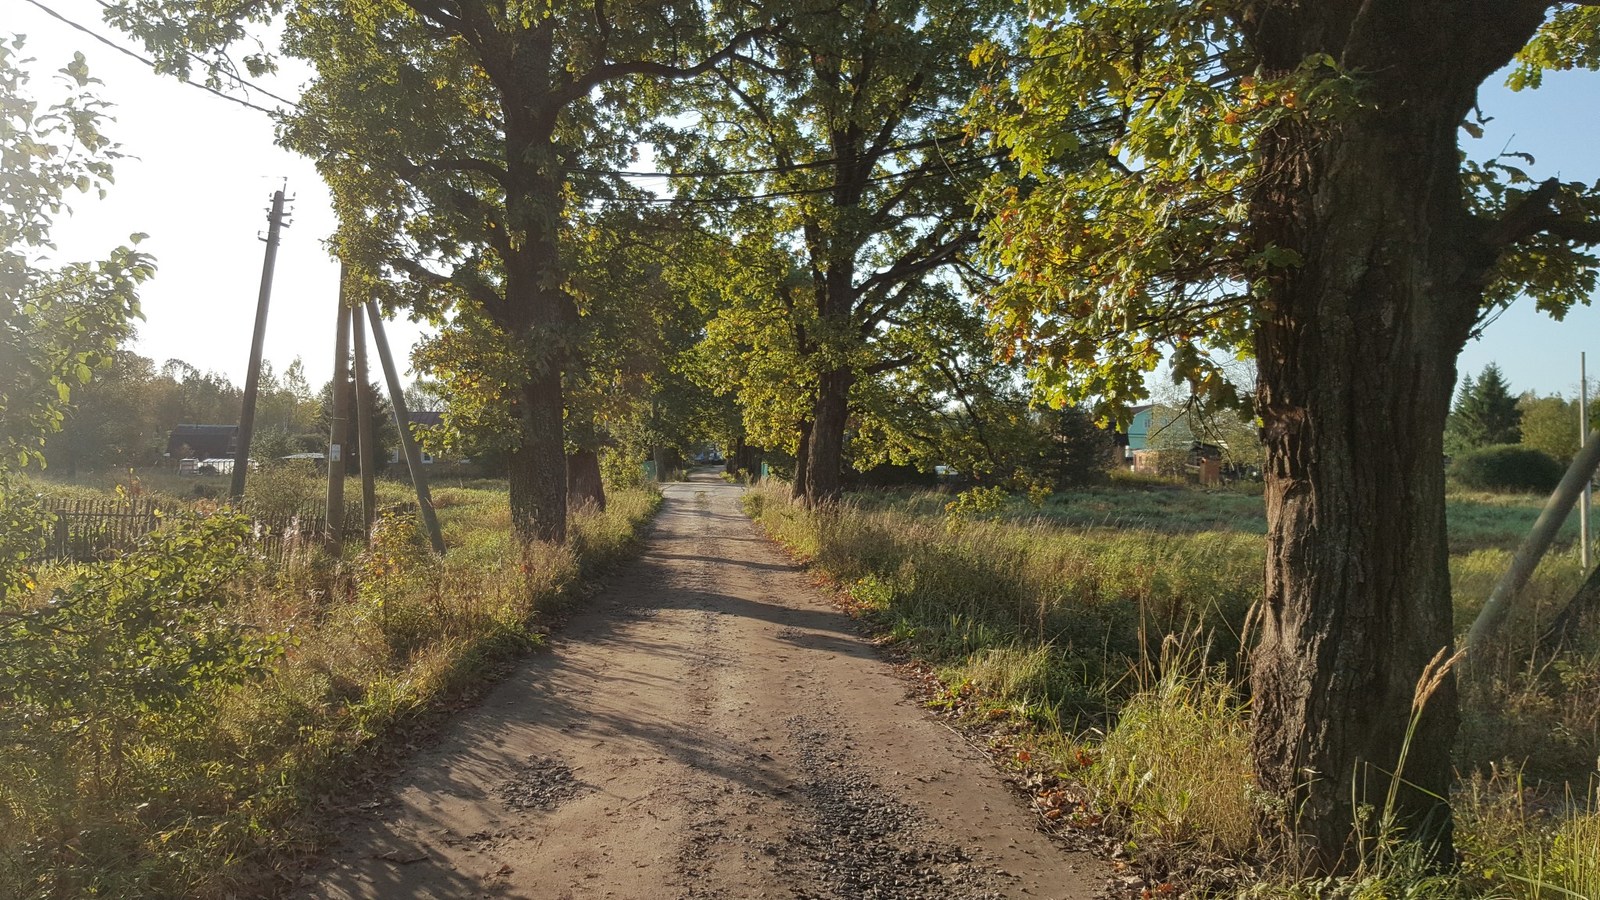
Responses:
[801,192]
[767,170]
[702,173]
[146,60]
[215,69]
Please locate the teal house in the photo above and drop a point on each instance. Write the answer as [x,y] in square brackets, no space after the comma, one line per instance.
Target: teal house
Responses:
[1138,433]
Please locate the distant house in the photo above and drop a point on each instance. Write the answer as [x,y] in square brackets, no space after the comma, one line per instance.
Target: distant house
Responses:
[1200,462]
[1137,435]
[425,418]
[203,441]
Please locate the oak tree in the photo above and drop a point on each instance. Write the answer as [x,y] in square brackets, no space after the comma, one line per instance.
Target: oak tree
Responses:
[1284,180]
[458,137]
[845,151]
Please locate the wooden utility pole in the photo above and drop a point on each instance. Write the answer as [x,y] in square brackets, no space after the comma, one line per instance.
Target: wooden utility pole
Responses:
[1583,435]
[1533,548]
[339,428]
[402,423]
[367,448]
[252,377]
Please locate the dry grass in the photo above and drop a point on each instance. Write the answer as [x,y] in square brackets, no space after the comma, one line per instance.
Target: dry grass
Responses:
[214,803]
[1059,625]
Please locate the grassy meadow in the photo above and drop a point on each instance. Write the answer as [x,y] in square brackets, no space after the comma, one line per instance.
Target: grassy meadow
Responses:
[1101,632]
[204,703]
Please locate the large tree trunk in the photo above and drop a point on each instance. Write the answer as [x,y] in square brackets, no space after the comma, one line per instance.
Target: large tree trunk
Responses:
[538,467]
[802,463]
[1357,344]
[832,412]
[538,314]
[584,484]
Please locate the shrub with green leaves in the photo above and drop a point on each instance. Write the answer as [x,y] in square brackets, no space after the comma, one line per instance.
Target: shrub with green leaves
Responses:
[119,661]
[1507,467]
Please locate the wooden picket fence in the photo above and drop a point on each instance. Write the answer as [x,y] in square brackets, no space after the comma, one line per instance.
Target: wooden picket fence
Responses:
[90,529]
[84,530]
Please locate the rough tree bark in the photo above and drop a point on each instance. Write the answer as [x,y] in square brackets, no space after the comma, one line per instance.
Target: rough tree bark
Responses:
[826,457]
[538,466]
[584,484]
[1357,346]
[802,463]
[538,312]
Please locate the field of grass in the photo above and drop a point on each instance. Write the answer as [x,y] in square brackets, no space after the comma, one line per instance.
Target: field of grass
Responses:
[1106,627]
[1478,520]
[260,686]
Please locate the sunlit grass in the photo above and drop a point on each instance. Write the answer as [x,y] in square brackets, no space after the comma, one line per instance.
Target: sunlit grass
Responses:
[369,643]
[1058,618]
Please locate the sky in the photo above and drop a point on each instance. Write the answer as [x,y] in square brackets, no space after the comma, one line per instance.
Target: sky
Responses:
[202,172]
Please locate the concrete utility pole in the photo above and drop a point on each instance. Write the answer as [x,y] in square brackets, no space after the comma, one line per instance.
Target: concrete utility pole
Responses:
[402,423]
[368,449]
[252,378]
[339,428]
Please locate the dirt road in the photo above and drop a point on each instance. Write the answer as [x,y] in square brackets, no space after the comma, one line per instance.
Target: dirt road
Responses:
[709,727]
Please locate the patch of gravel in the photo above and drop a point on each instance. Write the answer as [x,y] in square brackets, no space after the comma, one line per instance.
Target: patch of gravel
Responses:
[861,843]
[540,783]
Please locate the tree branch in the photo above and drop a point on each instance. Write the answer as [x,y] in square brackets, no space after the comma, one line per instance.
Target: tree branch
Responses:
[593,78]
[477,290]
[1522,220]
[889,365]
[910,266]
[461,164]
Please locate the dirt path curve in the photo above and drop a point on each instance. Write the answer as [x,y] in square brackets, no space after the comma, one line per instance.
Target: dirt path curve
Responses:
[709,727]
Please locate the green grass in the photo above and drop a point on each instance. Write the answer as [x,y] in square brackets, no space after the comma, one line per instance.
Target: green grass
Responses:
[1477,520]
[218,796]
[1059,619]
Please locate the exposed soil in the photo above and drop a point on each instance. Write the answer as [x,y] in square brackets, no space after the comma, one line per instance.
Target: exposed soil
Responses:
[709,727]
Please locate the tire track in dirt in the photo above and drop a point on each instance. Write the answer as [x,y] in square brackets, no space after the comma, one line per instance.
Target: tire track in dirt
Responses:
[709,727]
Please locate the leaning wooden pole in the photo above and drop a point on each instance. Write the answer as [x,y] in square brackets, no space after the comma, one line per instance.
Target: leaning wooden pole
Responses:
[339,427]
[367,447]
[1537,542]
[252,375]
[402,424]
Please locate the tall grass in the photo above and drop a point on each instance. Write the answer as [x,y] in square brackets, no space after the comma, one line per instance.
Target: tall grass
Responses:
[1068,627]
[216,799]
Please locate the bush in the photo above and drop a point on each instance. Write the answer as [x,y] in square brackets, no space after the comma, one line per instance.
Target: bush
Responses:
[1507,467]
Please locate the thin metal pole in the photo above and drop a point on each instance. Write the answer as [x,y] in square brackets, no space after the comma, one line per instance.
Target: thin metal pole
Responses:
[252,377]
[368,447]
[402,424]
[1583,433]
[339,427]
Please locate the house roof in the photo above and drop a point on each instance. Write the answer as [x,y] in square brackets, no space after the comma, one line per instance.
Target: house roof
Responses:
[202,440]
[428,417]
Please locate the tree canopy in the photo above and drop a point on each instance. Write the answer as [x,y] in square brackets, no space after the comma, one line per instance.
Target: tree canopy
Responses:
[60,324]
[1284,181]
[841,147]
[1485,412]
[459,140]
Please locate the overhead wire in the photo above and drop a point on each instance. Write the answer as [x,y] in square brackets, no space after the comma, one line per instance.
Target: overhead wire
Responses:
[766,170]
[150,62]
[215,69]
[620,173]
[924,172]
